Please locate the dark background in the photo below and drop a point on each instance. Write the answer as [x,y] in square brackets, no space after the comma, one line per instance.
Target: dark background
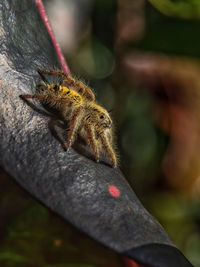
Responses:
[141,58]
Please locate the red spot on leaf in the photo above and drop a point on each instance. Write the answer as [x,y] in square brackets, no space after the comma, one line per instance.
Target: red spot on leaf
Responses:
[130,263]
[114,191]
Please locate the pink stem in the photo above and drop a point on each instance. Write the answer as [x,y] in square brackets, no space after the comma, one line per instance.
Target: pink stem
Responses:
[44,17]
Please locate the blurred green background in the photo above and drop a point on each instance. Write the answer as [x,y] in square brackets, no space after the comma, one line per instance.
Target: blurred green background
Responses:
[142,59]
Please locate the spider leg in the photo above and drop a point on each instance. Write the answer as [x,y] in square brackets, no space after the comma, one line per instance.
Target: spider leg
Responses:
[92,141]
[110,137]
[41,97]
[53,72]
[73,127]
[108,150]
[49,98]
[80,86]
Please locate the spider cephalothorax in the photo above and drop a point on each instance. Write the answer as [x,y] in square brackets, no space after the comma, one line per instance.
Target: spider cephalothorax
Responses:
[76,103]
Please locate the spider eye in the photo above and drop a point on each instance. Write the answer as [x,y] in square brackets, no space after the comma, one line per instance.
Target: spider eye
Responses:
[102,117]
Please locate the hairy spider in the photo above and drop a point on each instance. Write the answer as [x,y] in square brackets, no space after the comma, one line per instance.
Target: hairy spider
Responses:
[76,103]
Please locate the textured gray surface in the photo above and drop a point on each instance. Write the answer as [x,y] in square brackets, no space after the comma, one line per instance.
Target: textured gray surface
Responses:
[69,183]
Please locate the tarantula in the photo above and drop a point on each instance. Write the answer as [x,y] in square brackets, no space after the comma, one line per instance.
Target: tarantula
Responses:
[76,103]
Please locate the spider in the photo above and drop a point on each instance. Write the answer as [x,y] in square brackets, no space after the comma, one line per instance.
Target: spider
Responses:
[76,103]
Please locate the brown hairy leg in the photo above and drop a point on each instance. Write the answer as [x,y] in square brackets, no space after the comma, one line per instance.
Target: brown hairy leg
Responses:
[92,141]
[108,150]
[74,123]
[69,80]
[48,98]
[54,72]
